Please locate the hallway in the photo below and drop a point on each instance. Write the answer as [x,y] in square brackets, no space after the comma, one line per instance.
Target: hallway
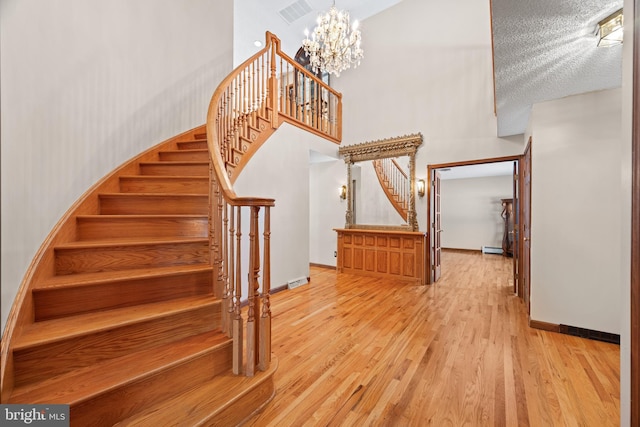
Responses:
[359,351]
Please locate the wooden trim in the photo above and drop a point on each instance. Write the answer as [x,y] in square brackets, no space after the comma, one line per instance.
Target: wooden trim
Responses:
[279,289]
[460,250]
[635,226]
[368,227]
[433,167]
[429,248]
[406,145]
[545,326]
[493,60]
[475,162]
[330,267]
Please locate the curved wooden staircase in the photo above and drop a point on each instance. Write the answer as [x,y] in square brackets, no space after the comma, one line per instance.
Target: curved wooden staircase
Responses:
[131,310]
[395,184]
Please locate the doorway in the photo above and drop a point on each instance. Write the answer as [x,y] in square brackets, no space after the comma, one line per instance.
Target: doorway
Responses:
[510,166]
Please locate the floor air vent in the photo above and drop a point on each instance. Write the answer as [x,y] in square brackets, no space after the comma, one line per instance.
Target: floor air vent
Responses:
[297,282]
[590,334]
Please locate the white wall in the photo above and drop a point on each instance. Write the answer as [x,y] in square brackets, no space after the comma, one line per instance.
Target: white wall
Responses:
[575,198]
[412,81]
[471,209]
[281,170]
[86,85]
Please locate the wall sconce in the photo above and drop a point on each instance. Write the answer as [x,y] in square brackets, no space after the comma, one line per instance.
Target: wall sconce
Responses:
[610,30]
[421,187]
[342,191]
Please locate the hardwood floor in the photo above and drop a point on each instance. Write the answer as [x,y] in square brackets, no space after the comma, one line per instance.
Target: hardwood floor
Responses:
[359,351]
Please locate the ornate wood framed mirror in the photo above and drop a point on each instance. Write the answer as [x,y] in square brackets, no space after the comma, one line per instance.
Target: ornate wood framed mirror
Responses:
[388,158]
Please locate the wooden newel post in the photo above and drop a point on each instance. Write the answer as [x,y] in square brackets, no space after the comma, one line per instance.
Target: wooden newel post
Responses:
[264,356]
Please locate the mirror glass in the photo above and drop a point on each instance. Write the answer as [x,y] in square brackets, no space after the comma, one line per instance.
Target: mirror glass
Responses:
[372,204]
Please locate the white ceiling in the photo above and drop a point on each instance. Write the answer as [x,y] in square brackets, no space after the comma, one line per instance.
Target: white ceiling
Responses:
[543,49]
[266,13]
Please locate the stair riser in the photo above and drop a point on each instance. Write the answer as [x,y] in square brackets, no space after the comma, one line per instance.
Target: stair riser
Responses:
[51,359]
[109,228]
[120,257]
[193,185]
[179,169]
[68,301]
[193,145]
[125,401]
[154,205]
[184,156]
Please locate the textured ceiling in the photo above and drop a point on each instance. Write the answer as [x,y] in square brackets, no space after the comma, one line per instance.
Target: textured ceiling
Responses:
[543,49]
[546,49]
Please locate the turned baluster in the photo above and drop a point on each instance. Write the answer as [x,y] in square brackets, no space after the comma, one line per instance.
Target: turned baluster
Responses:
[225,325]
[237,315]
[230,308]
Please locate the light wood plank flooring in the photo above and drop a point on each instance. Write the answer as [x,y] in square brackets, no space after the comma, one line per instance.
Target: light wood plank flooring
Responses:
[358,351]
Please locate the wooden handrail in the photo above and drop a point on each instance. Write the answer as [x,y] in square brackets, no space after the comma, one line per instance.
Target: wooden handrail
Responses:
[254,99]
[395,183]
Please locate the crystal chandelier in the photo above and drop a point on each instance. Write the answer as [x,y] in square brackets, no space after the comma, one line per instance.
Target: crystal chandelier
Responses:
[334,46]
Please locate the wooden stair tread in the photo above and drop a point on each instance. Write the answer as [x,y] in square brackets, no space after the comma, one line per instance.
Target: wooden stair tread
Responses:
[194,140]
[186,150]
[97,278]
[160,177]
[82,384]
[142,216]
[202,403]
[175,162]
[151,195]
[124,241]
[54,330]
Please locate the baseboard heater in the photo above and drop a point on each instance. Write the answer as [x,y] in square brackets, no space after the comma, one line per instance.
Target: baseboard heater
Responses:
[491,250]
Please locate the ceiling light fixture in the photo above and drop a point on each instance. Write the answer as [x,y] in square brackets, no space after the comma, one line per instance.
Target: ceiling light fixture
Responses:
[610,29]
[334,45]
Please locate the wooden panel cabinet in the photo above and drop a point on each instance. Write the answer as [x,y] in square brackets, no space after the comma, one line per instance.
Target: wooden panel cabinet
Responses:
[383,253]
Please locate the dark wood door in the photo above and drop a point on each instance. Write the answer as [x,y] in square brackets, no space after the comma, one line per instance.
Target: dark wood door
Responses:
[525,198]
[516,227]
[437,227]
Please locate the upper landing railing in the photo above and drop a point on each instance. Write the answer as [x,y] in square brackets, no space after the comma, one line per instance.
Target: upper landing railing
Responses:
[262,93]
